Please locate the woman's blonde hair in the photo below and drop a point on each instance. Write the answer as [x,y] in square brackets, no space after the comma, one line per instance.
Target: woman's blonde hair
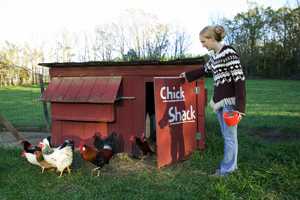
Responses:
[217,32]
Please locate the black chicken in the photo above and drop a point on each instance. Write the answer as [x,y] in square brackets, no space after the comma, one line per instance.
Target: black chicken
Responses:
[143,145]
[111,140]
[29,148]
[67,142]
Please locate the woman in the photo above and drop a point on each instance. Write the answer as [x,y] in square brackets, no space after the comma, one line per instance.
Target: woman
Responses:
[229,90]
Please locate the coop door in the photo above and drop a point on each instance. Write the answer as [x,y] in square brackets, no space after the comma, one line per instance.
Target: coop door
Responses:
[176,119]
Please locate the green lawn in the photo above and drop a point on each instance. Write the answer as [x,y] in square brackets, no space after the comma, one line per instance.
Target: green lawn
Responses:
[22,107]
[269,161]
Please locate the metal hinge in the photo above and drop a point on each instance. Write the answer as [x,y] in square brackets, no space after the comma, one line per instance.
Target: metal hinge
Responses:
[125,98]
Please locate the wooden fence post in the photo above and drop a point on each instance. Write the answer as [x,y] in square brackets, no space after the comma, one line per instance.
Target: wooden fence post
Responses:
[45,108]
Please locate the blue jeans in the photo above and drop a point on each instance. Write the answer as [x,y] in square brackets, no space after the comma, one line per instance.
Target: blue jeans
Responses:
[229,162]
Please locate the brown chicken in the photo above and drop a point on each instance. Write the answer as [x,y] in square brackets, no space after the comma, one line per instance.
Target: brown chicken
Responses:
[97,157]
[43,164]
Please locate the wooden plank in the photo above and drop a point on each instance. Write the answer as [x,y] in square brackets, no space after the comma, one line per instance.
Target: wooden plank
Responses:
[83,112]
[11,128]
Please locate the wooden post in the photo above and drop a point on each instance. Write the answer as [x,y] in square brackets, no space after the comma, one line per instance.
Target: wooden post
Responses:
[148,128]
[10,128]
[45,108]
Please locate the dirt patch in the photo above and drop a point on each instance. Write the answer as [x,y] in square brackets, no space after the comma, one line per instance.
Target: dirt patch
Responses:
[275,135]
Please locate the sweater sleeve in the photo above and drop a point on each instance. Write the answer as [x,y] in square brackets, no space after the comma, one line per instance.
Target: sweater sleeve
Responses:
[198,73]
[238,77]
[240,95]
[194,74]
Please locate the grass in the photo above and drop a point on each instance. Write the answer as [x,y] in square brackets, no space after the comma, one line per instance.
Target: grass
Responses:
[268,167]
[22,107]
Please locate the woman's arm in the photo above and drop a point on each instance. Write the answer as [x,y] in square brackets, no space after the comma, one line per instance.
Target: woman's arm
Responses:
[197,73]
[194,74]
[237,74]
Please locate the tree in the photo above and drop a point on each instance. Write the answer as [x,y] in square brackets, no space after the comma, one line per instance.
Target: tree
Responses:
[131,55]
[180,43]
[31,57]
[64,50]
[84,47]
[104,45]
[267,40]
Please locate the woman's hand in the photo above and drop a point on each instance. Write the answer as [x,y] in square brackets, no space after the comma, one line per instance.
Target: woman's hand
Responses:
[241,114]
[182,75]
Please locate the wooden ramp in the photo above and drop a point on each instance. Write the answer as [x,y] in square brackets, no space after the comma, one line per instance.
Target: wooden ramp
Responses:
[11,128]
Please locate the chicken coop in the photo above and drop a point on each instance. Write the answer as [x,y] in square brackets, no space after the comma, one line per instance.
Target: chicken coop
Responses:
[131,99]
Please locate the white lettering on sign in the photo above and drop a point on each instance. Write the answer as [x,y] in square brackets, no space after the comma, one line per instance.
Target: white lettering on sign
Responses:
[171,95]
[183,116]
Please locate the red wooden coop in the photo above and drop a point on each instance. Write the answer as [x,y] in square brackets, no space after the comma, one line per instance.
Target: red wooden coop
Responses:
[121,97]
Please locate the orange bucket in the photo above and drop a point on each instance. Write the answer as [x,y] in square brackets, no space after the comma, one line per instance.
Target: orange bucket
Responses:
[231,118]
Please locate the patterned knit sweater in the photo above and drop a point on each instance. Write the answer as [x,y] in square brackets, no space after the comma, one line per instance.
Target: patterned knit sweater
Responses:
[229,79]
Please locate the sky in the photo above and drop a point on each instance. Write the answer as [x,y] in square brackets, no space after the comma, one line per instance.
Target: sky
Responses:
[40,21]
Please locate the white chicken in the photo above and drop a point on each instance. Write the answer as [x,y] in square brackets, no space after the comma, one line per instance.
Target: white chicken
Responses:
[61,157]
[34,156]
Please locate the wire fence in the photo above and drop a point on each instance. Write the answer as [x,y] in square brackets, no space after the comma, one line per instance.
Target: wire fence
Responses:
[22,107]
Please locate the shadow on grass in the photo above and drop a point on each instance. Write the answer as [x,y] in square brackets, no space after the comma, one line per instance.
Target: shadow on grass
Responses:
[272,128]
[271,134]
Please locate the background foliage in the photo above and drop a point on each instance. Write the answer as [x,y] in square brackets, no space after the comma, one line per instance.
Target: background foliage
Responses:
[267,40]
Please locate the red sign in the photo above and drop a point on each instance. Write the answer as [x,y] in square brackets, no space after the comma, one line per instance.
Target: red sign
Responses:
[176,119]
